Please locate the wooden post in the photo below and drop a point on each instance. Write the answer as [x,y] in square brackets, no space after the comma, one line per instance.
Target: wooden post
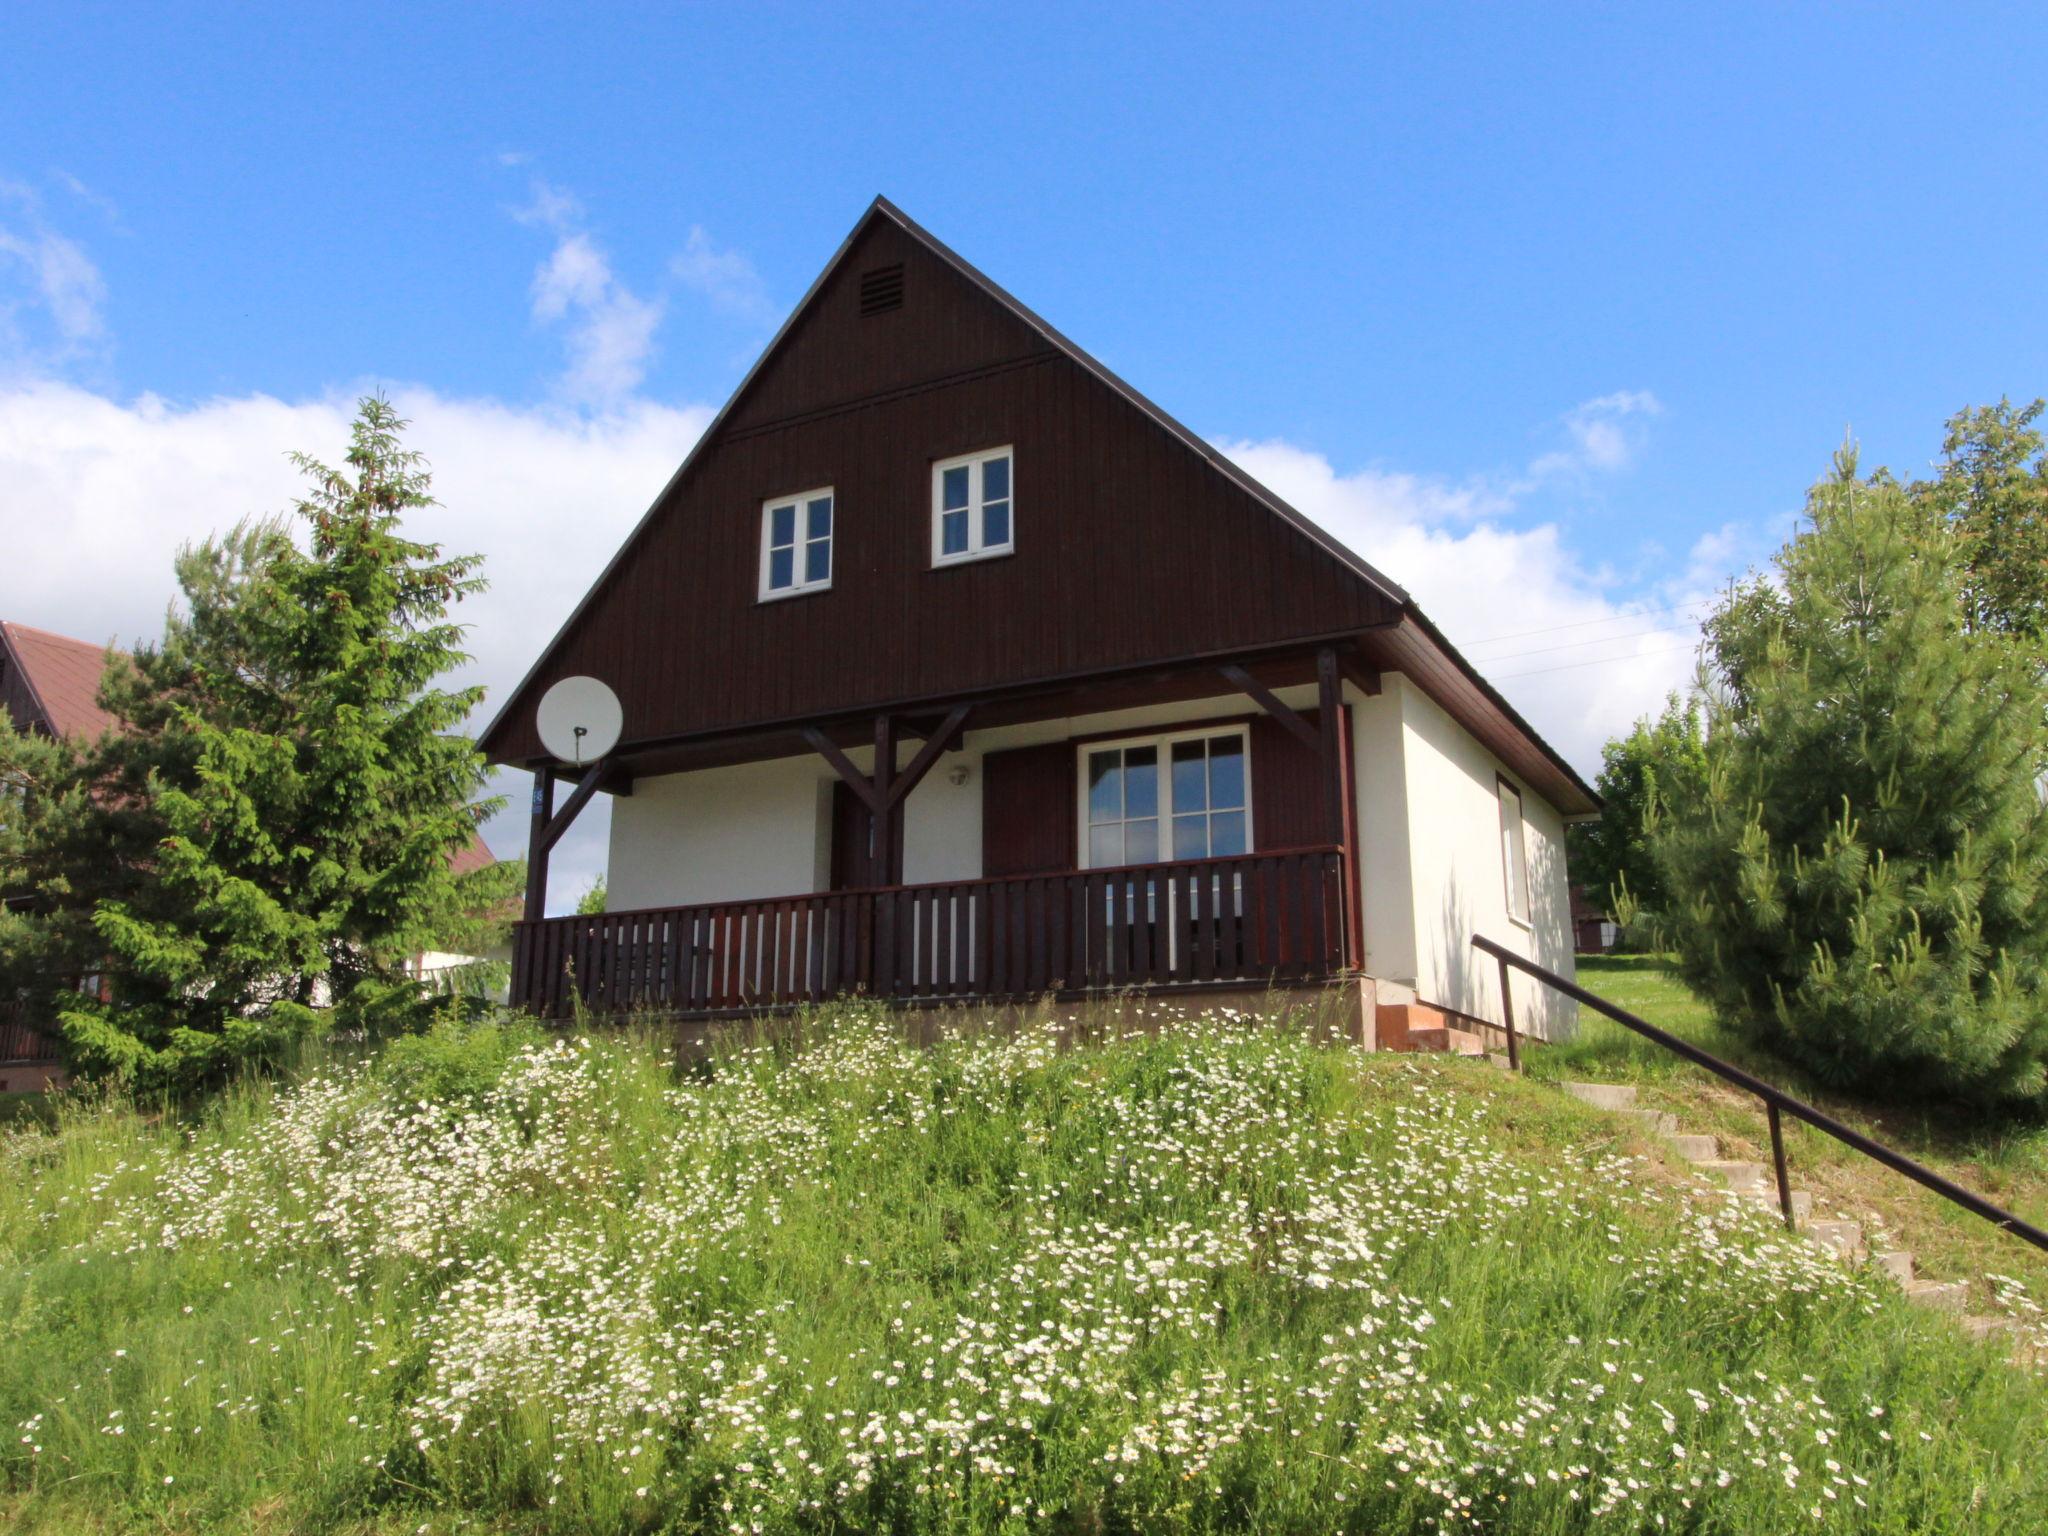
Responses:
[1330,708]
[537,844]
[888,856]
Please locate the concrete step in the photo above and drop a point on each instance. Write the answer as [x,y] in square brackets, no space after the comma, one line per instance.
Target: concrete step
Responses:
[1767,1195]
[1743,1178]
[1696,1149]
[1411,1027]
[1949,1295]
[1603,1095]
[1658,1122]
[1988,1327]
[1499,1059]
[1897,1263]
[1845,1238]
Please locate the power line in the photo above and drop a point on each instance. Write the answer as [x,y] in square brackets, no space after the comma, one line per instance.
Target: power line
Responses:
[1597,661]
[1572,645]
[1612,618]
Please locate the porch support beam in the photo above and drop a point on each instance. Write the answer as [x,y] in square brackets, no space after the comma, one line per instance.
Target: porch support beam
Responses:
[537,844]
[579,797]
[842,765]
[1330,742]
[888,858]
[1269,701]
[947,735]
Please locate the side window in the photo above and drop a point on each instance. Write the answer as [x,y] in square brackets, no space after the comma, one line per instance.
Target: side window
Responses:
[796,544]
[974,506]
[1514,852]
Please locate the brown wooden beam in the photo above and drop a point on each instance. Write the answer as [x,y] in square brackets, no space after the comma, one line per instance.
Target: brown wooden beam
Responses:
[1362,677]
[947,735]
[579,797]
[842,765]
[1269,701]
[537,845]
[1330,708]
[888,857]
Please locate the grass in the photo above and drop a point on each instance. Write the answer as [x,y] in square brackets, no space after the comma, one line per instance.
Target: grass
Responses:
[1068,1276]
[2002,1158]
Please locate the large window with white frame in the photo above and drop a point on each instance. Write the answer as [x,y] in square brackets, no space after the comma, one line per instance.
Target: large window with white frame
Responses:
[1185,795]
[796,544]
[974,501]
[1514,853]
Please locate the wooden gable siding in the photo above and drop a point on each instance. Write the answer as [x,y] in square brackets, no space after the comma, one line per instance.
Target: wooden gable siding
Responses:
[1131,547]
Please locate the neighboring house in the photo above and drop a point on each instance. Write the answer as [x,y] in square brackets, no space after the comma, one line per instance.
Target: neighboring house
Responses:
[951,667]
[1593,931]
[50,684]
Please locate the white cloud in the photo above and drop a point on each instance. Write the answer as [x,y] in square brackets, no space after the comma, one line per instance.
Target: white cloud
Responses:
[51,294]
[609,329]
[1604,435]
[97,494]
[1578,660]
[724,276]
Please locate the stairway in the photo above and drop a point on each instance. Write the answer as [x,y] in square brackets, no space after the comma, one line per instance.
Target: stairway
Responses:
[1407,1025]
[1753,1181]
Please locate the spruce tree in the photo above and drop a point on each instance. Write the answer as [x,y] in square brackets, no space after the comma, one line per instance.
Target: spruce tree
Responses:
[1862,882]
[289,789]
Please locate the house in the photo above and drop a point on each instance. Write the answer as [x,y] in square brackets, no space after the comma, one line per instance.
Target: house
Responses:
[951,667]
[1594,931]
[50,684]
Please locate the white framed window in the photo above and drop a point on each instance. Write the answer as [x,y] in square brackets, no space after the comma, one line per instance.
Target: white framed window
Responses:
[974,505]
[1150,799]
[796,544]
[1514,853]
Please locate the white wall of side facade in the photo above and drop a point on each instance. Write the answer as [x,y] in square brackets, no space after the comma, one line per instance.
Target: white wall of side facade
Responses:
[1456,877]
[1380,783]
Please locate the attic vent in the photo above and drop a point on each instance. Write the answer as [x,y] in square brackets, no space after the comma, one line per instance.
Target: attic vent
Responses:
[881,290]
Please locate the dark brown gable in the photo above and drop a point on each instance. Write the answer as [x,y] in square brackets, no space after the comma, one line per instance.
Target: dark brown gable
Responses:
[1132,547]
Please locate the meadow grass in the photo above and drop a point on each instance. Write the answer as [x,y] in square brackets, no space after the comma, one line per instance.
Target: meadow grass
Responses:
[1071,1275]
[2003,1156]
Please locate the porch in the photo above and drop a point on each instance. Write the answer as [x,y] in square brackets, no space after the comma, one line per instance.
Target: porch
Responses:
[1271,917]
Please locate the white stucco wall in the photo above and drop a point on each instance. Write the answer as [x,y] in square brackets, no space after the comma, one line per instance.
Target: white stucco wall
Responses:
[722,834]
[1456,880]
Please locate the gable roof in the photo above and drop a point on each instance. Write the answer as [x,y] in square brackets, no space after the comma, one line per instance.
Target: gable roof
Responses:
[764,402]
[59,681]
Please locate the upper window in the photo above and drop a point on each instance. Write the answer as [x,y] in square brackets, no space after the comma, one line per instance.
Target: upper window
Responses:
[1514,852]
[973,505]
[796,544]
[1167,797]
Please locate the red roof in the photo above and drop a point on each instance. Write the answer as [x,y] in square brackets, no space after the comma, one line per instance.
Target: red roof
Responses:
[63,677]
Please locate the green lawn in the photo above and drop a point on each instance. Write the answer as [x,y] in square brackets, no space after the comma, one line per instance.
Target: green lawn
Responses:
[2005,1159]
[1065,1277]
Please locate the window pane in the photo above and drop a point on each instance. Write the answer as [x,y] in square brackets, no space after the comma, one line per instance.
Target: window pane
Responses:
[1141,781]
[781,569]
[782,525]
[818,560]
[821,518]
[1105,785]
[1106,845]
[1141,842]
[954,487]
[953,533]
[1226,771]
[1226,833]
[995,525]
[1190,837]
[995,480]
[1190,783]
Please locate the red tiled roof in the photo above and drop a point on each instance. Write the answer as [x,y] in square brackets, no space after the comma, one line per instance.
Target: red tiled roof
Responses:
[64,676]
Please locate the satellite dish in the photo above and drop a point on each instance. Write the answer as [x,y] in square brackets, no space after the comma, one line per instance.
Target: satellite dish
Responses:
[579,720]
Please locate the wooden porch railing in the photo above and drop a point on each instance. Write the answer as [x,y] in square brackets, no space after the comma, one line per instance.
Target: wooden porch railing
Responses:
[19,1043]
[1257,917]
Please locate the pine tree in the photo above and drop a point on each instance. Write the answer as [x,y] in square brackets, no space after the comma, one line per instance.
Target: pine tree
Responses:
[1862,883]
[289,789]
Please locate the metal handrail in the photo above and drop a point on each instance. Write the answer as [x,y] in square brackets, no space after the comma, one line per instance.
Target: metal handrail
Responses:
[1776,1100]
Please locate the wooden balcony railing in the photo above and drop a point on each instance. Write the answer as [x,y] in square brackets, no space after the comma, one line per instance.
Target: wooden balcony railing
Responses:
[1253,918]
[20,1044]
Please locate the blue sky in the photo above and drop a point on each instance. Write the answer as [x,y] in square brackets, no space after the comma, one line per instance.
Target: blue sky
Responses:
[1553,311]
